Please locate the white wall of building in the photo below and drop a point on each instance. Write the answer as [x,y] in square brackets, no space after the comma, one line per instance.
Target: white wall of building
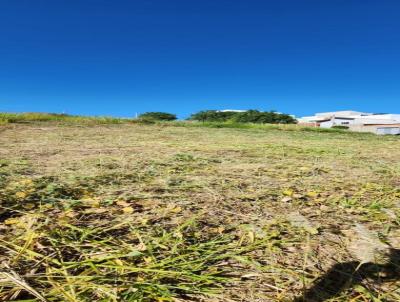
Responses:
[357,121]
[337,122]
[382,117]
[388,130]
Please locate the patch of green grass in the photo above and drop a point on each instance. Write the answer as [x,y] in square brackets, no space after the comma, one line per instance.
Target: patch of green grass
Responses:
[282,127]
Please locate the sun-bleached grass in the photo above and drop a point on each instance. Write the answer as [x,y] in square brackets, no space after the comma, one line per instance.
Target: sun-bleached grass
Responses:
[133,212]
[53,117]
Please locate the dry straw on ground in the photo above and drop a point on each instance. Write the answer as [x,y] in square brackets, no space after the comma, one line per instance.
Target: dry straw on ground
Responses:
[131,212]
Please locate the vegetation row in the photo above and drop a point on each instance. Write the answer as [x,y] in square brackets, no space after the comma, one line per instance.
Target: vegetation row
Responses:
[250,116]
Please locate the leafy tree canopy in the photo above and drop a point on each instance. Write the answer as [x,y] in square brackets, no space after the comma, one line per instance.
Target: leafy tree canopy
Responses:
[158,116]
[249,116]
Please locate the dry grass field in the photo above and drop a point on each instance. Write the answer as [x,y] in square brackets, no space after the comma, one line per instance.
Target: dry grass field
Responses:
[129,212]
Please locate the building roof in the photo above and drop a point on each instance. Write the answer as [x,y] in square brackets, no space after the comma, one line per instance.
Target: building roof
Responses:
[358,117]
[231,110]
[342,113]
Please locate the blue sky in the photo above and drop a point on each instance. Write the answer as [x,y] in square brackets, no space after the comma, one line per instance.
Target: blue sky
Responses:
[117,57]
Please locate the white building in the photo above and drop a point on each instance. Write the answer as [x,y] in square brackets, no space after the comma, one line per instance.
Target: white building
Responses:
[231,110]
[355,121]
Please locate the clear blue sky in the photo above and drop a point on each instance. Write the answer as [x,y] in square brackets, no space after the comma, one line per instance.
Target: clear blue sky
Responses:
[120,57]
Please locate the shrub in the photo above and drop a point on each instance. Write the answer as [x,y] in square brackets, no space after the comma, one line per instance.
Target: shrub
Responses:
[3,121]
[158,116]
[340,127]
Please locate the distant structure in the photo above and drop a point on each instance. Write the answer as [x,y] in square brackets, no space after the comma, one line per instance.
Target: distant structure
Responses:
[231,110]
[378,123]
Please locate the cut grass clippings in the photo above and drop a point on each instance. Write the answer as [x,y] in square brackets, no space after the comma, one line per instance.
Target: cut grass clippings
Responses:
[170,212]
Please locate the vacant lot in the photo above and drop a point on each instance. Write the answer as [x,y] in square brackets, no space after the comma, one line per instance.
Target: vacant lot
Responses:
[164,213]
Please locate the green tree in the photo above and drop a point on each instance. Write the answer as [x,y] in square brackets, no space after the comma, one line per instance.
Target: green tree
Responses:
[264,117]
[249,116]
[212,116]
[157,116]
